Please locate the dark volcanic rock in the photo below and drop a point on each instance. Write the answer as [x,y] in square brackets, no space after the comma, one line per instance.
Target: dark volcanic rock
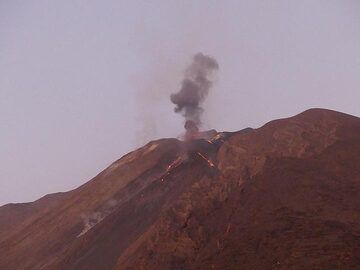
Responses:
[284,196]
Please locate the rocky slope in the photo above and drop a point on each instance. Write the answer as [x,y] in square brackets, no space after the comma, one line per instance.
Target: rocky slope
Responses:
[284,196]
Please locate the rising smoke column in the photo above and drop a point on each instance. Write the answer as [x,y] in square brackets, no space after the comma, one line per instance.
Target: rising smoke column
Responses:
[194,89]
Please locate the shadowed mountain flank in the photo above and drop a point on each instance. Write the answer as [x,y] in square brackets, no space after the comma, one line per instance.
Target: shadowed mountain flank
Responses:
[283,196]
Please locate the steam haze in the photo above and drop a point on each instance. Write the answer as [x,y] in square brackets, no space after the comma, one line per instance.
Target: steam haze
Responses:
[84,82]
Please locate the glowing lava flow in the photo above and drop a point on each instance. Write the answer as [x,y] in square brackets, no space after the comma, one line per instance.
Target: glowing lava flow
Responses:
[217,137]
[207,160]
[176,163]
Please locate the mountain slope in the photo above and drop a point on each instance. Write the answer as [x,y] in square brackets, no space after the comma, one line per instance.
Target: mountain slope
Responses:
[284,196]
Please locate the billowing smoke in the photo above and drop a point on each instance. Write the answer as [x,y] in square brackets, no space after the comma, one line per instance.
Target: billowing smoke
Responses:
[194,89]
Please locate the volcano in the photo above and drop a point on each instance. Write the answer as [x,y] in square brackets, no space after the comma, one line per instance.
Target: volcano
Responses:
[283,196]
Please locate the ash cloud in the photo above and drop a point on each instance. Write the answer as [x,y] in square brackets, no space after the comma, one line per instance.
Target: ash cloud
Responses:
[195,88]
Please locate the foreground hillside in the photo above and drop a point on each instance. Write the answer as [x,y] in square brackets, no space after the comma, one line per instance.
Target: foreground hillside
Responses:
[284,196]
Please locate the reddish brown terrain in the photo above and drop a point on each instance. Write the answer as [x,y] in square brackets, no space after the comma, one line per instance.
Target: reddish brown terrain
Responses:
[284,196]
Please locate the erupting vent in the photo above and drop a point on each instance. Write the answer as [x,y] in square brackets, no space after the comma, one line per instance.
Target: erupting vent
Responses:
[194,89]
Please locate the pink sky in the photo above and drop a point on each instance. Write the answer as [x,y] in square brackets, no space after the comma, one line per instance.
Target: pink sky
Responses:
[84,82]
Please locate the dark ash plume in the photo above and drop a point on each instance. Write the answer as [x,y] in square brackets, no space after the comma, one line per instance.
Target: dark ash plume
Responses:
[194,89]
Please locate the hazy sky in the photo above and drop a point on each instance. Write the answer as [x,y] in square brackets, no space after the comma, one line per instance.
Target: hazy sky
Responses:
[84,82]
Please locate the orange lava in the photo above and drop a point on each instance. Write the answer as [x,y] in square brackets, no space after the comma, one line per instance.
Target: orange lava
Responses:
[176,163]
[207,160]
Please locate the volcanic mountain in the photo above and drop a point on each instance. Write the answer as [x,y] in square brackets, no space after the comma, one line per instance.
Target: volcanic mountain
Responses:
[283,196]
